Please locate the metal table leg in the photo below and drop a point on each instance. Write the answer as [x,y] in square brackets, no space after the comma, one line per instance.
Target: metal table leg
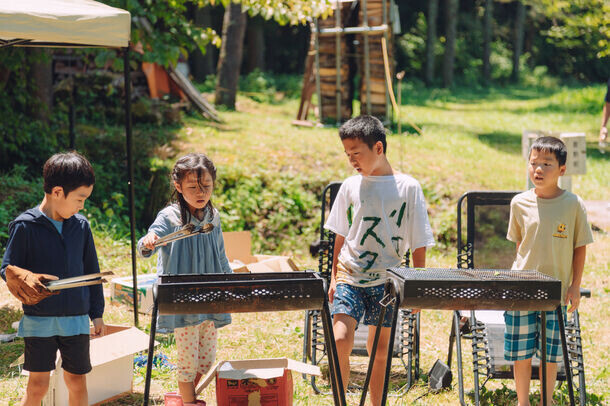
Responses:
[458,350]
[151,348]
[369,371]
[566,356]
[543,360]
[393,292]
[333,360]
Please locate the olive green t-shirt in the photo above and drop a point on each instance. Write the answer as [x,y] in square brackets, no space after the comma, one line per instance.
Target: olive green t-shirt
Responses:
[548,231]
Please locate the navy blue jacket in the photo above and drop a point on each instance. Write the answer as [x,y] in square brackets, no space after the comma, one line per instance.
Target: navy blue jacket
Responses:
[36,245]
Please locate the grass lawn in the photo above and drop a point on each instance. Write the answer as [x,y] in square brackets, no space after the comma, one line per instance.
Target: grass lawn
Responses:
[471,141]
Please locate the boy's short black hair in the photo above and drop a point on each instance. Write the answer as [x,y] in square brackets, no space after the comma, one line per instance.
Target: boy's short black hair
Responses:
[366,128]
[553,145]
[70,170]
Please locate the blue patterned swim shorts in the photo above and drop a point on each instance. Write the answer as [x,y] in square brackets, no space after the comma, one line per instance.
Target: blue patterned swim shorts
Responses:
[357,302]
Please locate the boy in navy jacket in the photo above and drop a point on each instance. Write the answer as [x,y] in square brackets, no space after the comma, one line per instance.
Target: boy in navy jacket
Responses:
[48,242]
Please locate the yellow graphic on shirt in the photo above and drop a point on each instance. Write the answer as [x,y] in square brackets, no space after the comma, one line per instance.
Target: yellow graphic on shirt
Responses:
[561,228]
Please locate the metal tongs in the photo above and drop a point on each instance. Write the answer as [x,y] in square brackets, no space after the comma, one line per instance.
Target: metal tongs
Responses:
[77,281]
[187,231]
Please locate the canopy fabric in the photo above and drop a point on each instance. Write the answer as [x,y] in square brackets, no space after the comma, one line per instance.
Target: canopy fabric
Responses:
[74,22]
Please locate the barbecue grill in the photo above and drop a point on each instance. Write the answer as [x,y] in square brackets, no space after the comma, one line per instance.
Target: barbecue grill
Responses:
[244,293]
[471,289]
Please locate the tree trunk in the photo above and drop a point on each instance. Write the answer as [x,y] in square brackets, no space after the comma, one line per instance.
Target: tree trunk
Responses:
[431,40]
[451,32]
[255,51]
[487,22]
[518,39]
[202,64]
[42,78]
[229,61]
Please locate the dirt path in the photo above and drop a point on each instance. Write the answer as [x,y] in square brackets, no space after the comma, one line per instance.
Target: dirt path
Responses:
[598,213]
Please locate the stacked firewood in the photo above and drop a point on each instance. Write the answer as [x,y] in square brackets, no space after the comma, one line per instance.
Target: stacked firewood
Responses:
[328,72]
[374,11]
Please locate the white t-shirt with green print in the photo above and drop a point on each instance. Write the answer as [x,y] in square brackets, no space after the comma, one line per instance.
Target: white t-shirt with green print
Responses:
[380,217]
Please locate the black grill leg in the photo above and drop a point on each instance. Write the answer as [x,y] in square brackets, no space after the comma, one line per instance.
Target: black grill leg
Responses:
[333,360]
[369,371]
[566,356]
[458,353]
[151,350]
[542,370]
[390,288]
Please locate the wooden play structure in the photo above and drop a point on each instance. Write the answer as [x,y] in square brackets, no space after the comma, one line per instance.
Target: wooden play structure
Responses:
[344,49]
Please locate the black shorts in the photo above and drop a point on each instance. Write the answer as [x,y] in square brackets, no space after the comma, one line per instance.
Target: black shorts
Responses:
[41,353]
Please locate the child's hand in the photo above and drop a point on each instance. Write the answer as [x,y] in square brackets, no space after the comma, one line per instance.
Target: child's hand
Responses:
[99,328]
[27,286]
[331,289]
[149,240]
[573,297]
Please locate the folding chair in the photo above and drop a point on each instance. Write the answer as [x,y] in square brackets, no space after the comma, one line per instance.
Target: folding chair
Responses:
[485,246]
[406,343]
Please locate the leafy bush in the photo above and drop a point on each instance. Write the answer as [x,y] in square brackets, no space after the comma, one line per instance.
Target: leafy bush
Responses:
[276,208]
[18,192]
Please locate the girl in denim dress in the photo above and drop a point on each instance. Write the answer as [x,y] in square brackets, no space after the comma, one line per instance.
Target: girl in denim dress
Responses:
[193,180]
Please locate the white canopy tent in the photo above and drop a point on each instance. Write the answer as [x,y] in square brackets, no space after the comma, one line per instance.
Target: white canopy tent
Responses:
[76,23]
[67,22]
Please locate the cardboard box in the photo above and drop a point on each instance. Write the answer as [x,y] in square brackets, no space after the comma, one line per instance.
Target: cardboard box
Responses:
[112,362]
[238,247]
[259,382]
[121,290]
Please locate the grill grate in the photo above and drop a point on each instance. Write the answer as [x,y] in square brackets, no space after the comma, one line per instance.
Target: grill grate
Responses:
[235,293]
[476,289]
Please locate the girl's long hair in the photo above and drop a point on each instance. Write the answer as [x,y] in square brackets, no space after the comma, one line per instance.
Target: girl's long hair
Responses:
[198,164]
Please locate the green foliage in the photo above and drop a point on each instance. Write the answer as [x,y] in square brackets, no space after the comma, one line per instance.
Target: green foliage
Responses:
[278,208]
[21,138]
[262,87]
[18,192]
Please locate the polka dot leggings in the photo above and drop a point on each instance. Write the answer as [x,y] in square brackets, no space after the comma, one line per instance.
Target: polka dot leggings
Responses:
[196,346]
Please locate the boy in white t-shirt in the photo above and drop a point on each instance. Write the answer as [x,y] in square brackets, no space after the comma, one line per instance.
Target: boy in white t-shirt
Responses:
[377,215]
[549,226]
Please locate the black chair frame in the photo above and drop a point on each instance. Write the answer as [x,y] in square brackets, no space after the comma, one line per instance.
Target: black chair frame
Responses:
[314,347]
[476,331]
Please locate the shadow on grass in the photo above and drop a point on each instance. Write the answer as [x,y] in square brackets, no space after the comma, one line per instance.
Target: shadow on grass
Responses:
[502,140]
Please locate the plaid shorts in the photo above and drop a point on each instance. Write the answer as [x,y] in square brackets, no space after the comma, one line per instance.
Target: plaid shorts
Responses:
[522,335]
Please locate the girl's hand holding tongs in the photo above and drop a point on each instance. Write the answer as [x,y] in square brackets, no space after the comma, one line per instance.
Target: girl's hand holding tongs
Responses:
[152,240]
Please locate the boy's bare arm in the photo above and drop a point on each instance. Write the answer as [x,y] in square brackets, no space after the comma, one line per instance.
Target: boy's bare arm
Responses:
[339,240]
[419,261]
[578,266]
[419,257]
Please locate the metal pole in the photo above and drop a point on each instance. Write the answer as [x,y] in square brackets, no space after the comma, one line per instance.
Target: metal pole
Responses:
[385,35]
[338,62]
[131,191]
[542,369]
[458,351]
[151,346]
[316,29]
[566,356]
[367,65]
[386,381]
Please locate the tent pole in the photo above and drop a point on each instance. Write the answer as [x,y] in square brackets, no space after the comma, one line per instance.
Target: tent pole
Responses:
[132,220]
